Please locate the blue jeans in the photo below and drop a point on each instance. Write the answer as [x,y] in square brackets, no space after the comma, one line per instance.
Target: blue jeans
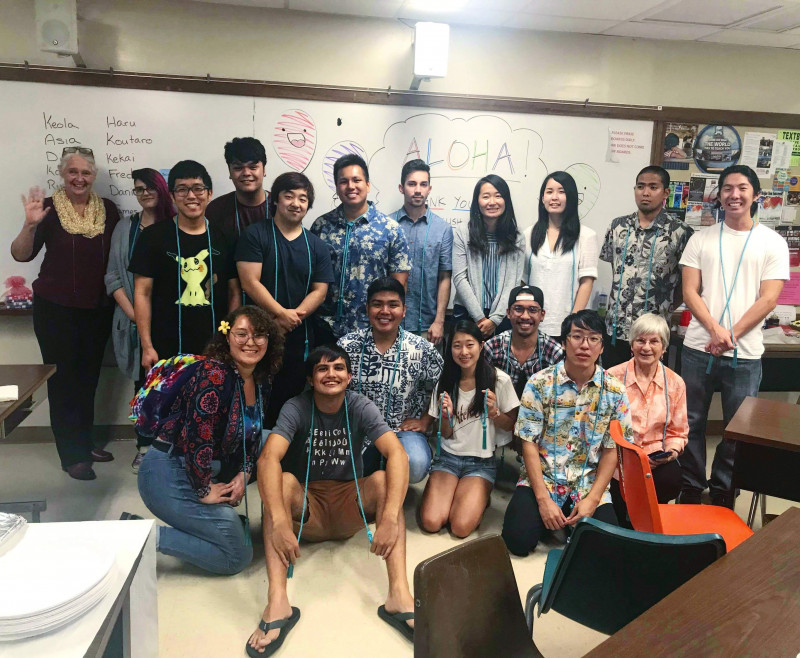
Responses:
[208,536]
[417,449]
[735,384]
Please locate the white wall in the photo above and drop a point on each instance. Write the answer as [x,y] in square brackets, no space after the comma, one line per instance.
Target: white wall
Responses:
[179,37]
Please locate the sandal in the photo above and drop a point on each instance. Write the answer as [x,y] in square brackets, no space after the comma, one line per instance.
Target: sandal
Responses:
[285,625]
[398,620]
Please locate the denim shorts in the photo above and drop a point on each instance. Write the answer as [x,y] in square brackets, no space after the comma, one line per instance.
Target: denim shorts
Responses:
[465,466]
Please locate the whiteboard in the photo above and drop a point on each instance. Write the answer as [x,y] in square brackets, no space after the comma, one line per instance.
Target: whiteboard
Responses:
[130,128]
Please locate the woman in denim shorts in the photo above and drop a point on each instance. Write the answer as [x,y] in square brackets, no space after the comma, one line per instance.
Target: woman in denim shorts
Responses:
[476,406]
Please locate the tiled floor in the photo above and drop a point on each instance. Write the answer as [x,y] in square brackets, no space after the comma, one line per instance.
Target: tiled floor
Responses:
[337,585]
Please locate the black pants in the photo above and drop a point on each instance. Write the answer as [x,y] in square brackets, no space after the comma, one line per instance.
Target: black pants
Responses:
[523,526]
[289,381]
[666,478]
[73,339]
[615,354]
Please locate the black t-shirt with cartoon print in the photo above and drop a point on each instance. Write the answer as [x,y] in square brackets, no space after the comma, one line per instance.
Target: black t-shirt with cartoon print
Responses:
[156,256]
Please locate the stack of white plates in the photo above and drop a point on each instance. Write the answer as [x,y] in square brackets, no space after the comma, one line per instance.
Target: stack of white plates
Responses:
[45,587]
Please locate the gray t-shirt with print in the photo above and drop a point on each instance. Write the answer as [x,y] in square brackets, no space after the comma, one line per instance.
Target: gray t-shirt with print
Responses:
[331,457]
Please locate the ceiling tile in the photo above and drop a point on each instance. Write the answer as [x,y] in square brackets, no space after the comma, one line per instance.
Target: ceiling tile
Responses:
[661,30]
[714,12]
[753,38]
[779,21]
[378,8]
[613,10]
[498,5]
[269,4]
[419,11]
[560,23]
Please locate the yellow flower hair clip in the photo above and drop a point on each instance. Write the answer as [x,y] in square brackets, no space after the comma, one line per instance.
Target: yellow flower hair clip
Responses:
[224,327]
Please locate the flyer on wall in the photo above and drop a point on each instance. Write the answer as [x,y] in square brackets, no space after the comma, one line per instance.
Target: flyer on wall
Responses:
[716,148]
[679,141]
[770,208]
[701,204]
[792,136]
[757,152]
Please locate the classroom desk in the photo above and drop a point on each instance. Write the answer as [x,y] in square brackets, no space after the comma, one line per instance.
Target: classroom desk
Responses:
[30,379]
[131,602]
[767,462]
[746,603]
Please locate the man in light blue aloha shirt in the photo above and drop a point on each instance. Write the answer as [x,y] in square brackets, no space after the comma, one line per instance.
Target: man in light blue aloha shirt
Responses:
[430,242]
[365,245]
[569,461]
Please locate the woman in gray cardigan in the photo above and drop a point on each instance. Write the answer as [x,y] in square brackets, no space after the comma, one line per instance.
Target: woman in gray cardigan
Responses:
[488,257]
[152,193]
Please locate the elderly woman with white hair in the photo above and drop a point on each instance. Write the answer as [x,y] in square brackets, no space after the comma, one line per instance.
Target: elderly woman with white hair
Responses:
[71,310]
[657,397]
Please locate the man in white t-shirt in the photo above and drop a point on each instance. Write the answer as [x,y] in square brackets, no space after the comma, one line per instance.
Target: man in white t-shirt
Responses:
[733,273]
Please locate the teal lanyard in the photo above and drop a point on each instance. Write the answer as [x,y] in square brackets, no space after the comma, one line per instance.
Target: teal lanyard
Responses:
[239,229]
[507,365]
[388,401]
[343,274]
[308,280]
[257,430]
[210,284]
[666,402]
[290,570]
[439,431]
[422,267]
[573,494]
[133,237]
[729,295]
[622,271]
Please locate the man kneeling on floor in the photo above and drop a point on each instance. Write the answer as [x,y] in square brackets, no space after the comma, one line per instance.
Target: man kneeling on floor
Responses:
[324,431]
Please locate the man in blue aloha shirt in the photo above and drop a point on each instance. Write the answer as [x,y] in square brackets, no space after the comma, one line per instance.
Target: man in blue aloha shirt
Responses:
[563,422]
[365,245]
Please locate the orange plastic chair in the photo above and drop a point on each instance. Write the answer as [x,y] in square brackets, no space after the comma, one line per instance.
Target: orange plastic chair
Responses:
[647,515]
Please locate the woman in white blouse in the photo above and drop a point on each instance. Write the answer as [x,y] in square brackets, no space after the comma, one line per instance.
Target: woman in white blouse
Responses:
[561,255]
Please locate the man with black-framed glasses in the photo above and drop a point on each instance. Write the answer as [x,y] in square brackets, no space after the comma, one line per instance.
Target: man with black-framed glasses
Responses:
[184,275]
[523,350]
[569,455]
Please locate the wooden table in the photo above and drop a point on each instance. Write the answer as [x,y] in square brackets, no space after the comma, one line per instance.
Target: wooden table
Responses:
[767,435]
[745,604]
[30,379]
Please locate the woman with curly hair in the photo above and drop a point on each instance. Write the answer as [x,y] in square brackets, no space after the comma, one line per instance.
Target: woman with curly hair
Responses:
[200,410]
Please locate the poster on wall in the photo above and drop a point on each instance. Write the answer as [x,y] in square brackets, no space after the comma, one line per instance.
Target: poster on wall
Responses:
[792,236]
[701,204]
[678,195]
[792,136]
[716,148]
[757,152]
[679,141]
[770,208]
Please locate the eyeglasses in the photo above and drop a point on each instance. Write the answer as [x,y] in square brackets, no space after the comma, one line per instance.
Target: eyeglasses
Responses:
[83,150]
[593,339]
[241,338]
[521,310]
[139,191]
[182,191]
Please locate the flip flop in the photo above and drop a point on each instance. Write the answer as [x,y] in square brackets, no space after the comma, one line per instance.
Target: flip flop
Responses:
[398,620]
[285,625]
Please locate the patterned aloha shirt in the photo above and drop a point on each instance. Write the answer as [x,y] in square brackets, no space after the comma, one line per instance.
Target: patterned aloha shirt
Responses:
[500,356]
[376,247]
[571,473]
[419,366]
[671,236]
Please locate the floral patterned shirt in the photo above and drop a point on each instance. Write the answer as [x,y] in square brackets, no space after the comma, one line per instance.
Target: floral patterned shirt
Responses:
[637,295]
[569,458]
[375,246]
[408,392]
[204,422]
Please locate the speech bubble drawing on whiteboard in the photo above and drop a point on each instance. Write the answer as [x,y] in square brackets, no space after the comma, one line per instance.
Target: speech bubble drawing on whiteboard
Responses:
[588,182]
[459,151]
[294,138]
[334,153]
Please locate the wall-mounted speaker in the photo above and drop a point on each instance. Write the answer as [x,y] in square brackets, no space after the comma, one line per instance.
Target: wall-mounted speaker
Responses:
[57,26]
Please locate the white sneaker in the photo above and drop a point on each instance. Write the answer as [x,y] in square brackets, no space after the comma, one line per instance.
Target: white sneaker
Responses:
[137,460]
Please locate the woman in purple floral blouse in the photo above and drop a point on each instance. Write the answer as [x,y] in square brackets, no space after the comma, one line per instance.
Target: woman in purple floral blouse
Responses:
[200,411]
